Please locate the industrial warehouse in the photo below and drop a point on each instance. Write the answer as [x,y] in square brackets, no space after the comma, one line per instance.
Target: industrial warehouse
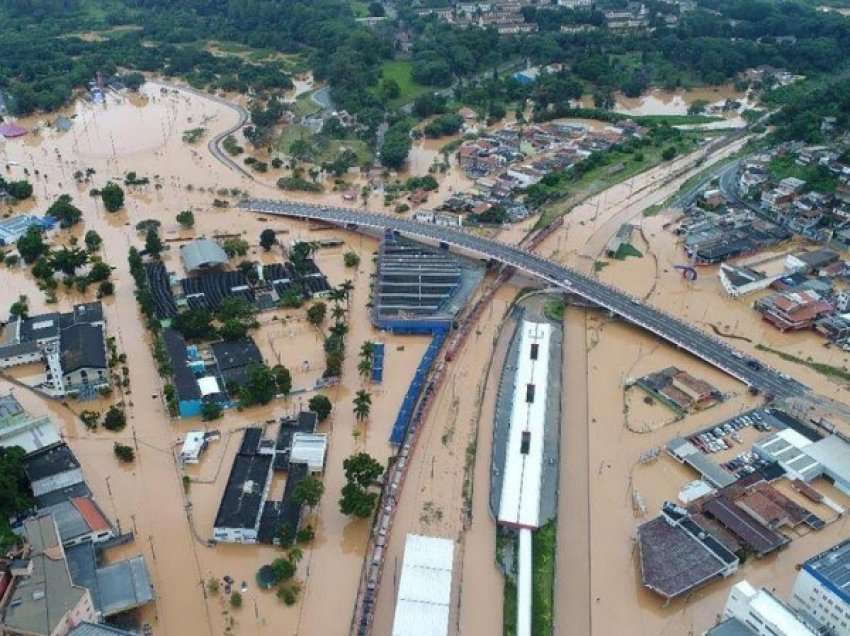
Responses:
[246,514]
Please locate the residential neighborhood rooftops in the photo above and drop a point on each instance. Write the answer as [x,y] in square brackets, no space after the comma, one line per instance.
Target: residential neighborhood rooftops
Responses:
[39,603]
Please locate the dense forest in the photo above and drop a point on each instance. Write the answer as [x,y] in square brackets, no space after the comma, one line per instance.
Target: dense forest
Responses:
[47,49]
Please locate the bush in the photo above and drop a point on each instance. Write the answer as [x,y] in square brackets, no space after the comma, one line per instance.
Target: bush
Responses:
[112,196]
[90,419]
[321,406]
[210,411]
[124,453]
[115,419]
[305,534]
[668,153]
[186,218]
[351,259]
[236,600]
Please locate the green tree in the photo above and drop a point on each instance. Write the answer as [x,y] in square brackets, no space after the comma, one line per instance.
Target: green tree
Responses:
[321,406]
[194,324]
[19,190]
[112,196]
[186,218]
[100,271]
[260,387]
[267,239]
[68,260]
[92,241]
[364,368]
[308,492]
[210,411]
[316,313]
[115,419]
[233,329]
[64,211]
[362,405]
[31,245]
[362,469]
[124,453]
[42,269]
[153,244]
[283,569]
[351,259]
[283,380]
[668,153]
[235,600]
[235,247]
[235,308]
[19,308]
[357,501]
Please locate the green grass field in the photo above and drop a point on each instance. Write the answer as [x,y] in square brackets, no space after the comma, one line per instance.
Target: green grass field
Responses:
[400,71]
[602,177]
[543,543]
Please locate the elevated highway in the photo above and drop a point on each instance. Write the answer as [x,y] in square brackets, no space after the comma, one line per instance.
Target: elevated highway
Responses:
[708,348]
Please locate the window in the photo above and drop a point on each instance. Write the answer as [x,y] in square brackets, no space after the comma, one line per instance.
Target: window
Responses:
[529,393]
[534,349]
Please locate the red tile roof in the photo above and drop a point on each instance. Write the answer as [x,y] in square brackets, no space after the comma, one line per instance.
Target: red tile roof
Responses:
[91,513]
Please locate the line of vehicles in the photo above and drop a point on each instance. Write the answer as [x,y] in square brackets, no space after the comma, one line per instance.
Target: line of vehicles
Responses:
[718,438]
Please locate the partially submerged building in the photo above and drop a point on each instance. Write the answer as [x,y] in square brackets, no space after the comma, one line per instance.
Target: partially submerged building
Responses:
[202,254]
[246,514]
[822,589]
[425,587]
[677,555]
[71,345]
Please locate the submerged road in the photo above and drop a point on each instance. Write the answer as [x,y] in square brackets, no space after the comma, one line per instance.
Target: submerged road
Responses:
[675,331]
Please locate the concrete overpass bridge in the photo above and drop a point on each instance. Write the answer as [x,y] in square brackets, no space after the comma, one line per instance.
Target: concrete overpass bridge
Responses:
[708,348]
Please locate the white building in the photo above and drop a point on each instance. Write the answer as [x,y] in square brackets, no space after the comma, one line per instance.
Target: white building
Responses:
[310,449]
[764,614]
[806,459]
[519,505]
[425,587]
[822,589]
[194,444]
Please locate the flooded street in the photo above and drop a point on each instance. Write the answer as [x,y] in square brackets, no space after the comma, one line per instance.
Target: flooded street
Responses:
[597,589]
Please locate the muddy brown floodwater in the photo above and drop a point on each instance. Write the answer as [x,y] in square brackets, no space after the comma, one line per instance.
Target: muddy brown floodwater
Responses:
[143,133]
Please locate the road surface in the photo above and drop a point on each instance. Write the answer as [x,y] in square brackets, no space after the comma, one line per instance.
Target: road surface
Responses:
[675,331]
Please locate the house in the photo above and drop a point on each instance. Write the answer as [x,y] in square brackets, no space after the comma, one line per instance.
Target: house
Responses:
[15,227]
[194,445]
[793,310]
[71,345]
[43,599]
[52,468]
[80,519]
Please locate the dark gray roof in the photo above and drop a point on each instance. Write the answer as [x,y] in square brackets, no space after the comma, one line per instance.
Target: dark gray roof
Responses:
[41,326]
[730,627]
[82,347]
[241,503]
[49,461]
[116,587]
[54,497]
[182,376]
[239,353]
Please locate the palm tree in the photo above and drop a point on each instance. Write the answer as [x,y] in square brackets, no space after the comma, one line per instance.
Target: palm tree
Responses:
[367,349]
[295,554]
[365,367]
[337,313]
[336,295]
[347,287]
[362,405]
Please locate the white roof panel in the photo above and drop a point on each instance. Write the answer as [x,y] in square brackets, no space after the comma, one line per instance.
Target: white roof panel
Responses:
[425,586]
[520,499]
[208,385]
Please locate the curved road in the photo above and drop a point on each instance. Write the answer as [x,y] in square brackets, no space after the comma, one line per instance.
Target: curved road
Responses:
[214,144]
[672,329]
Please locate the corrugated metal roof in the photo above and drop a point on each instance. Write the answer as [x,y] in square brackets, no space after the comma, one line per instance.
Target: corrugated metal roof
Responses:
[425,586]
[202,253]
